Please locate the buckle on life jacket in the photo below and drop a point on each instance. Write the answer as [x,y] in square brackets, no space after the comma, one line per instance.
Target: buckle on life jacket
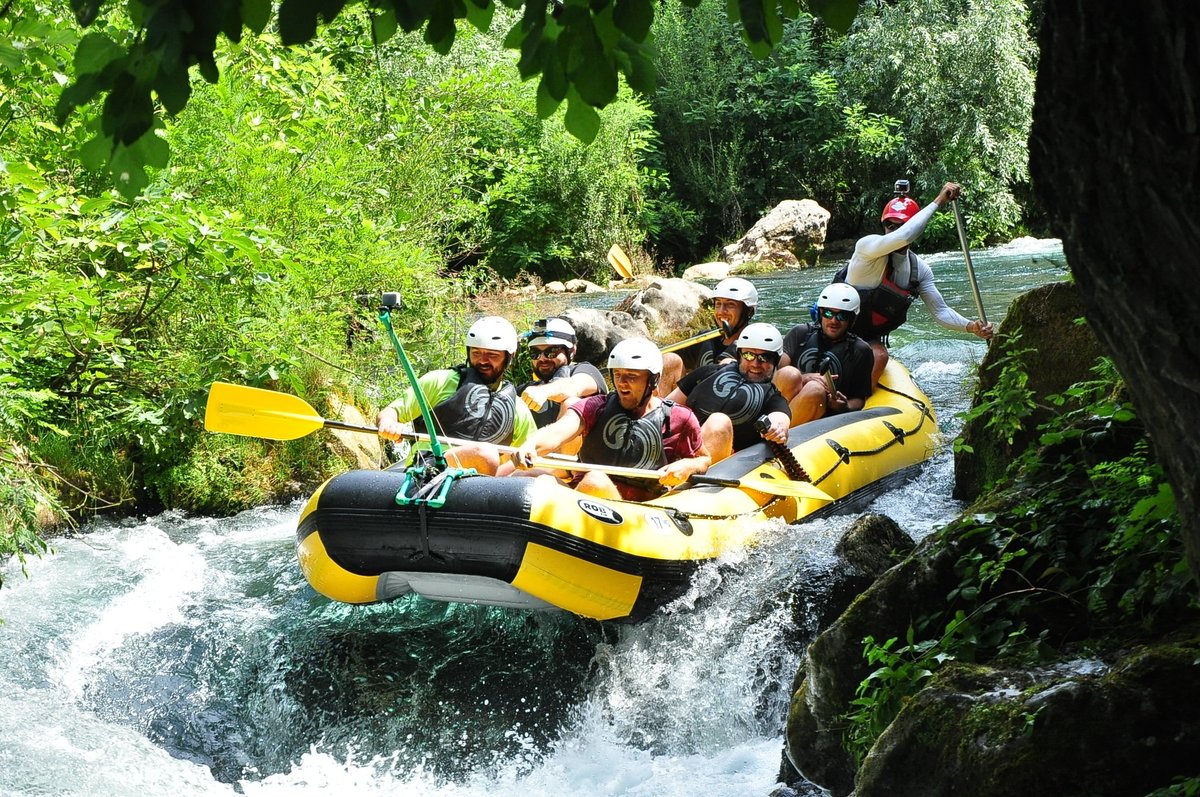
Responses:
[427,486]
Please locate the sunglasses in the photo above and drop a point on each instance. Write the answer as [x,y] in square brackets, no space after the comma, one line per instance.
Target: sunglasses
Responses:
[764,357]
[838,315]
[548,353]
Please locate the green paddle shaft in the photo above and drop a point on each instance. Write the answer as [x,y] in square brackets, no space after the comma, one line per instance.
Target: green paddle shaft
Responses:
[385,317]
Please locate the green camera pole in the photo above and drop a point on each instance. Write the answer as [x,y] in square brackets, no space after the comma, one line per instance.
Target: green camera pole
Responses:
[392,301]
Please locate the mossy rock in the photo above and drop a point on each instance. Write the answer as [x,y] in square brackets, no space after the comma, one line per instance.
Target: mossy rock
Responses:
[1055,351]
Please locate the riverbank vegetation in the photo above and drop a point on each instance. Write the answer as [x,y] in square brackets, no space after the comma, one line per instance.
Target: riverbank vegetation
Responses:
[307,178]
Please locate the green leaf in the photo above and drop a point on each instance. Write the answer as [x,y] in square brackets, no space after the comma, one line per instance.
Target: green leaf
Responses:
[128,110]
[596,77]
[641,73]
[94,52]
[581,119]
[547,103]
[480,16]
[634,18]
[256,14]
[297,21]
[95,153]
[152,149]
[383,26]
[86,11]
[173,89]
[439,33]
[837,14]
[10,57]
[128,173]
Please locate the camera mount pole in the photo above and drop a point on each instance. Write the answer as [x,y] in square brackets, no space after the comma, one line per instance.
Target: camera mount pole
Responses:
[390,302]
[962,237]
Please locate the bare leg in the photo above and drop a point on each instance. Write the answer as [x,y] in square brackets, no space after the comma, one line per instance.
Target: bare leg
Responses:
[881,360]
[483,457]
[717,432]
[809,403]
[789,381]
[599,485]
[672,371]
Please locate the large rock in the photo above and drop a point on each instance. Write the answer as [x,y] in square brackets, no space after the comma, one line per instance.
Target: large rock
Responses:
[707,271]
[834,666]
[792,234]
[1083,728]
[1056,352]
[667,306]
[598,331]
[356,448]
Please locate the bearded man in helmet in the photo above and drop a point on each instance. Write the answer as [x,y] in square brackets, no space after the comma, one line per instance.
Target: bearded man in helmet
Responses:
[889,276]
[734,301]
[728,399]
[827,346]
[472,401]
[557,381]
[631,427]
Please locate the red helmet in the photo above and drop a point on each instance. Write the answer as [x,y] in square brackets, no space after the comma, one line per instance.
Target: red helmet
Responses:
[901,209]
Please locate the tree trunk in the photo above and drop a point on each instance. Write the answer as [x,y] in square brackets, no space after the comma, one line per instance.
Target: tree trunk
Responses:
[1114,155]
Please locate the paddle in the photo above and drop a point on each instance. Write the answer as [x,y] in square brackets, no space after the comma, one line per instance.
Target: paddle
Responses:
[763,484]
[620,262]
[962,237]
[254,412]
[683,344]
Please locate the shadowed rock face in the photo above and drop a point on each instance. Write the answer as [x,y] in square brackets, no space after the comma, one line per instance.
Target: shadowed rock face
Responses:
[1115,159]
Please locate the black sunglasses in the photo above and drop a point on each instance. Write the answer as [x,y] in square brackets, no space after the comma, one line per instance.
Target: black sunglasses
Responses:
[840,315]
[763,357]
[548,353]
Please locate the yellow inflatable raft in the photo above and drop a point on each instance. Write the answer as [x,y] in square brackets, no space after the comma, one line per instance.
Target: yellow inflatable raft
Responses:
[534,544]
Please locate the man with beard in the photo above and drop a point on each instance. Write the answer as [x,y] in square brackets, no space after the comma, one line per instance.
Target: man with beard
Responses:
[828,347]
[734,301]
[728,399]
[471,401]
[557,382]
[630,427]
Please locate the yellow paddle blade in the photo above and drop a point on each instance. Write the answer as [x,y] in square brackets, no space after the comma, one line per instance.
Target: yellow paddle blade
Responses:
[252,412]
[620,261]
[790,489]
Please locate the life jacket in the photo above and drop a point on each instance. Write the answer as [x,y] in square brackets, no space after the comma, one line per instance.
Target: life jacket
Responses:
[475,411]
[618,438]
[818,355]
[884,307]
[727,390]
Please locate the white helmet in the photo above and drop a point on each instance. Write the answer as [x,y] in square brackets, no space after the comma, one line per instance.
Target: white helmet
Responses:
[636,354]
[492,332]
[761,336]
[738,289]
[840,296]
[552,332]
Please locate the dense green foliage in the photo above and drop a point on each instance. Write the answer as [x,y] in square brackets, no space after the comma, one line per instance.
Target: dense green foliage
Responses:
[578,48]
[913,91]
[296,186]
[1085,546]
[307,177]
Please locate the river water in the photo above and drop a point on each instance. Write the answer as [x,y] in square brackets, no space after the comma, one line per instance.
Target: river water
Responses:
[186,656]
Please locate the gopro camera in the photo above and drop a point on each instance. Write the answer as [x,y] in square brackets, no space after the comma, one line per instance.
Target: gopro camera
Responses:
[390,302]
[901,188]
